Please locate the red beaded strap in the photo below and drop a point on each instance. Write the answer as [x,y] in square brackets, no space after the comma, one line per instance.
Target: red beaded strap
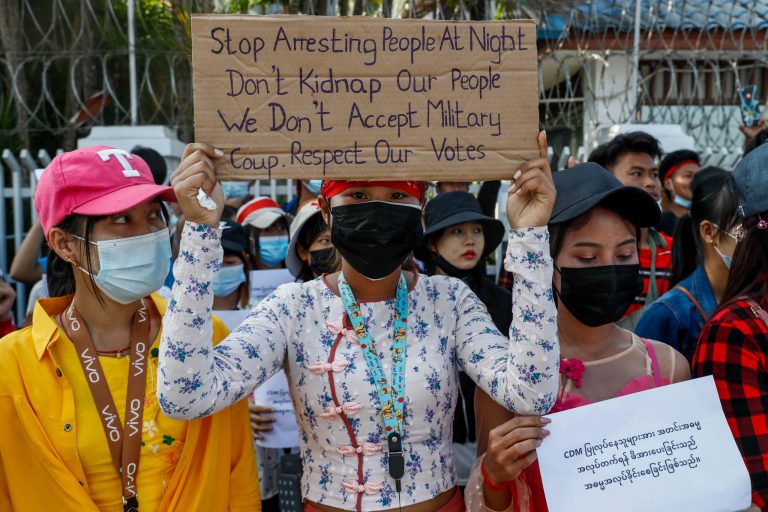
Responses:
[491,485]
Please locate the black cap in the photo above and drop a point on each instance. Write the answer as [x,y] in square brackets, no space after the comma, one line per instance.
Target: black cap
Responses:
[453,208]
[233,237]
[584,186]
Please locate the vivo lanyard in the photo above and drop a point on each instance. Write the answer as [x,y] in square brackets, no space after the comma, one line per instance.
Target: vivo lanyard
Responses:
[391,394]
[124,444]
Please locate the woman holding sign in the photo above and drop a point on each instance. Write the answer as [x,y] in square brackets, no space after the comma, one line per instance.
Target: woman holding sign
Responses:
[371,352]
[594,231]
[81,428]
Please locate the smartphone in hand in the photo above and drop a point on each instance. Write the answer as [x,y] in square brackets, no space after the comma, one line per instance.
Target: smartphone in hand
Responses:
[749,105]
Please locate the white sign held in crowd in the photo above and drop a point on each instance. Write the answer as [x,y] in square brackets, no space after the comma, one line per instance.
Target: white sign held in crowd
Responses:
[264,282]
[274,393]
[668,448]
[232,318]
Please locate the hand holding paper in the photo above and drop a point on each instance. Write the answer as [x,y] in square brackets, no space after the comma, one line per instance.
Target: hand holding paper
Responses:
[668,448]
[197,173]
[512,447]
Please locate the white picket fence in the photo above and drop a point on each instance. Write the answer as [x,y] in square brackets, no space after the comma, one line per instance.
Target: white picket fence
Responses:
[18,178]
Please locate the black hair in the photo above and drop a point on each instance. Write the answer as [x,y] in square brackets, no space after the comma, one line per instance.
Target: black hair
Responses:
[750,263]
[675,158]
[229,212]
[608,154]
[155,161]
[756,141]
[309,231]
[60,276]
[714,200]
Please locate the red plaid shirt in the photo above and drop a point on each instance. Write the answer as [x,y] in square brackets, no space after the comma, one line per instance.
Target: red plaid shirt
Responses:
[733,347]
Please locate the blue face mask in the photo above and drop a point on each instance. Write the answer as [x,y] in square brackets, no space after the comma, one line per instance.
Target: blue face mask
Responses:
[681,201]
[228,280]
[131,268]
[43,262]
[727,260]
[272,249]
[314,186]
[235,189]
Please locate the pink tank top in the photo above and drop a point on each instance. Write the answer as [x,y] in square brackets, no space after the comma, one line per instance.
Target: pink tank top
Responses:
[573,370]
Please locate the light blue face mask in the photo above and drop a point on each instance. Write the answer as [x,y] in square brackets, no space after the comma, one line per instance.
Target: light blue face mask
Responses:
[272,249]
[131,268]
[727,260]
[228,280]
[314,186]
[235,189]
[681,201]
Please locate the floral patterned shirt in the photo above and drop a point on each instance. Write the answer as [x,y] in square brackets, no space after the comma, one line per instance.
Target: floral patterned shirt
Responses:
[303,328]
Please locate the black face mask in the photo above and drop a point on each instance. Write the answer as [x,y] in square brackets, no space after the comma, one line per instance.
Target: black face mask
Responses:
[451,270]
[599,295]
[323,261]
[375,237]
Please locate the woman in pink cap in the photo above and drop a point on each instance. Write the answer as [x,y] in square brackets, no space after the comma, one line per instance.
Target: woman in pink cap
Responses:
[81,426]
[371,352]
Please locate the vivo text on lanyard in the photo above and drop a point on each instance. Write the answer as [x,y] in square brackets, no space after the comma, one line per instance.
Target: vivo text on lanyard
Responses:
[124,443]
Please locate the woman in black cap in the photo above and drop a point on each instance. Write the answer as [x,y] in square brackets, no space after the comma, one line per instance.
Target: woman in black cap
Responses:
[594,229]
[458,238]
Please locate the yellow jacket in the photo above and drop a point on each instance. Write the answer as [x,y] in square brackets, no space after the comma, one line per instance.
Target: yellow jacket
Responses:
[39,465]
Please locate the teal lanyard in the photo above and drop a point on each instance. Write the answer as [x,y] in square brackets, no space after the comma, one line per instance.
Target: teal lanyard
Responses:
[391,395]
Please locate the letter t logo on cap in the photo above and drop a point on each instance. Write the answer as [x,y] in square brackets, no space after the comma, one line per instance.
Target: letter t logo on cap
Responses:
[122,157]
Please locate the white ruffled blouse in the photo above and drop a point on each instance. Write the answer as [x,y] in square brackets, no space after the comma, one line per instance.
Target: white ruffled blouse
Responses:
[303,329]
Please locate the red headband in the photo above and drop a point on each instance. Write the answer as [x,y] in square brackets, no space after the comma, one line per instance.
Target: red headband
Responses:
[674,168]
[335,187]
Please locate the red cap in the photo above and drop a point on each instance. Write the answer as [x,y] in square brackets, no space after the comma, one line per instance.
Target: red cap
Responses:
[98,180]
[335,187]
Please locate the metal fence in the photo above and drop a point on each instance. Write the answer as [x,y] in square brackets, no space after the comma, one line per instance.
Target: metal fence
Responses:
[71,64]
[19,174]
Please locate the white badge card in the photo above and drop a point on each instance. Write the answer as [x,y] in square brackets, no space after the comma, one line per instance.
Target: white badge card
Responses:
[264,282]
[274,393]
[232,319]
[668,448]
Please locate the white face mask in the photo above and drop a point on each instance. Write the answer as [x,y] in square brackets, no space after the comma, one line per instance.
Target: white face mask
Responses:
[133,267]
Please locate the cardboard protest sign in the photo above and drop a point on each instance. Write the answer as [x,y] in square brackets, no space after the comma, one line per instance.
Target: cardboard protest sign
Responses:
[668,448]
[366,98]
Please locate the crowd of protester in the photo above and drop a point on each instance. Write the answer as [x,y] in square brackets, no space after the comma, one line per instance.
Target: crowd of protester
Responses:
[121,390]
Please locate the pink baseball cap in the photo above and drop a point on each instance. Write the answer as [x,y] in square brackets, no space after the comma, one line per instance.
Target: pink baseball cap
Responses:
[98,180]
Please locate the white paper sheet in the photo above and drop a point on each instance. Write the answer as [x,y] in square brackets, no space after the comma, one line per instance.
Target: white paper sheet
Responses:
[232,318]
[264,282]
[274,393]
[666,449]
